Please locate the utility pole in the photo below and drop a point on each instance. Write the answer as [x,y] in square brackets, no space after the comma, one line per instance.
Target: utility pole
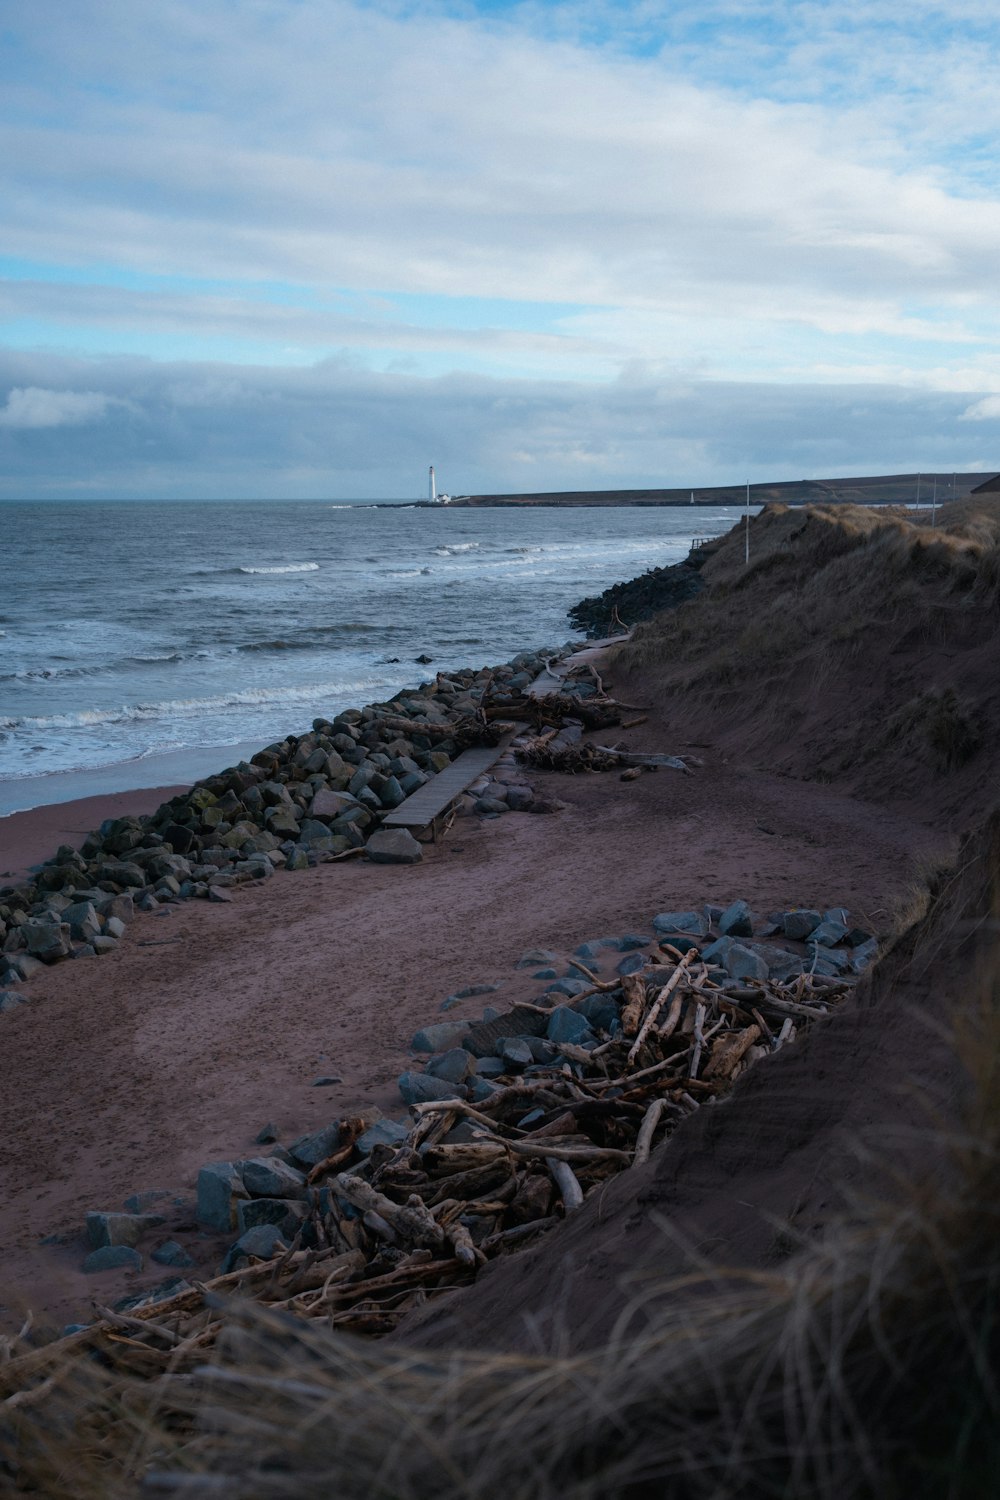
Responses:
[934,504]
[747,527]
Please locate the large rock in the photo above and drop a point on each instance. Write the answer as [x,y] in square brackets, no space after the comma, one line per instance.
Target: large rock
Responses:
[327,805]
[315,1147]
[49,941]
[453,1066]
[736,921]
[84,923]
[440,1036]
[565,1025]
[393,846]
[220,1187]
[119,1229]
[284,1212]
[798,923]
[123,873]
[270,1177]
[418,1088]
[744,964]
[669,922]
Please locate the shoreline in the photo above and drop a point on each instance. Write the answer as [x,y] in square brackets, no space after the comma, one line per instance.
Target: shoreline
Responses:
[32,835]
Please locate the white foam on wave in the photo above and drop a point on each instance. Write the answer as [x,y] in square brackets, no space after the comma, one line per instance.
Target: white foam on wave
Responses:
[189,708]
[284,568]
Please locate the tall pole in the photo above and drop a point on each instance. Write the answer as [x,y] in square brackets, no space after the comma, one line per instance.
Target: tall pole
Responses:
[747,527]
[934,504]
[918,488]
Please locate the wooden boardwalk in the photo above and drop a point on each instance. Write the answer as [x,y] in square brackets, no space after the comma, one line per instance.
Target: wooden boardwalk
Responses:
[435,797]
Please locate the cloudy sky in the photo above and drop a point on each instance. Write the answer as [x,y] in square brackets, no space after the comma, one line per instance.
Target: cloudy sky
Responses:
[307,247]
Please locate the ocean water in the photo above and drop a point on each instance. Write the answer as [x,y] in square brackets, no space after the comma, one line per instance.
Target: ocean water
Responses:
[142,644]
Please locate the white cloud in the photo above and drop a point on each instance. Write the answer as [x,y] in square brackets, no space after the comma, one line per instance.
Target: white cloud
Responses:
[986,410]
[33,406]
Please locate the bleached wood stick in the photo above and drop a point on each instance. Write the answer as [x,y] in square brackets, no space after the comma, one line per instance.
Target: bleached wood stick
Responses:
[569,1189]
[681,972]
[644,1139]
[699,1037]
[786,1034]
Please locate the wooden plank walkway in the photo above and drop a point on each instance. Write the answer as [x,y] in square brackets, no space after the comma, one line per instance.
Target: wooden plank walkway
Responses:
[435,797]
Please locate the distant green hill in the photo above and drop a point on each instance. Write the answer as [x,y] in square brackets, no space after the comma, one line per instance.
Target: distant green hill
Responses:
[878,489]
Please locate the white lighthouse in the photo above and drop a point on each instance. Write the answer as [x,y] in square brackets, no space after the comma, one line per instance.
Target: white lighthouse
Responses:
[432,487]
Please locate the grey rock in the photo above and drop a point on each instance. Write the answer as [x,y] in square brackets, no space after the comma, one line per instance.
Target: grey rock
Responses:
[742,963]
[84,923]
[491,807]
[312,831]
[123,873]
[418,1088]
[565,1025]
[863,955]
[829,933]
[102,946]
[630,943]
[171,1253]
[549,973]
[781,964]
[520,798]
[668,922]
[114,927]
[286,1213]
[838,914]
[382,1133]
[270,1177]
[315,1147]
[717,952]
[263,1242]
[122,907]
[393,846]
[391,794]
[24,965]
[481,1089]
[824,960]
[453,1066]
[631,964]
[490,1067]
[589,952]
[516,1053]
[10,1000]
[220,1187]
[119,1229]
[440,1036]
[537,956]
[736,920]
[113,1258]
[798,923]
[49,941]
[569,987]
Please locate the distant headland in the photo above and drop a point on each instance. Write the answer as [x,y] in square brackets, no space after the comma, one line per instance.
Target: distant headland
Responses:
[878,489]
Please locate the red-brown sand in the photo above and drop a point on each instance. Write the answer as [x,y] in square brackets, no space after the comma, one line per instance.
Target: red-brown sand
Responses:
[128,1073]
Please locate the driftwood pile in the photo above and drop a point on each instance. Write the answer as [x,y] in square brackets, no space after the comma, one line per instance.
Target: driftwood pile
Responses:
[472,1182]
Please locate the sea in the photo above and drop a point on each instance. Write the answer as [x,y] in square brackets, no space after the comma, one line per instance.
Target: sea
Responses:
[147,644]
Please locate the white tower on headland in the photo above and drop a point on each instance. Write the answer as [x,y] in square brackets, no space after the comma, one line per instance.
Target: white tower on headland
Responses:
[432,487]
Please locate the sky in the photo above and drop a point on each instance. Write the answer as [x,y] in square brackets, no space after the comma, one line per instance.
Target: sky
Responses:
[306,248]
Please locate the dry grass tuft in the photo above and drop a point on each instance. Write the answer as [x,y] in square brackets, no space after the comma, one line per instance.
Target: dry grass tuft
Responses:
[865,1366]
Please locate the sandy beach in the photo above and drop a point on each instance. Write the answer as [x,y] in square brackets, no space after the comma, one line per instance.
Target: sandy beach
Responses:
[213,1020]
